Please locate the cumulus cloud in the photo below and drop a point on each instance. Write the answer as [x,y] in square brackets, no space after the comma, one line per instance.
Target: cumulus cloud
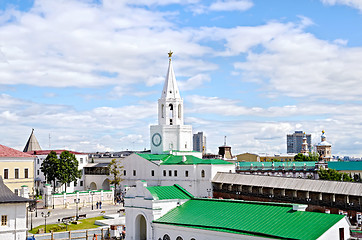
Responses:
[351,3]
[231,5]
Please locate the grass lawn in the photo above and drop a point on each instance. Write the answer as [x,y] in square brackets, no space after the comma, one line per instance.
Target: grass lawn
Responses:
[61,227]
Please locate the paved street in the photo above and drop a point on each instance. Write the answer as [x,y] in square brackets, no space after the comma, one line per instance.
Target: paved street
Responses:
[59,213]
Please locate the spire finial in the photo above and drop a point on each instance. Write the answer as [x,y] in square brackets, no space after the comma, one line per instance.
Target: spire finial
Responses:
[170,54]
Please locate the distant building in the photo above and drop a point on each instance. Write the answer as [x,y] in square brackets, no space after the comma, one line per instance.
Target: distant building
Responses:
[16,168]
[295,142]
[32,144]
[199,142]
[324,148]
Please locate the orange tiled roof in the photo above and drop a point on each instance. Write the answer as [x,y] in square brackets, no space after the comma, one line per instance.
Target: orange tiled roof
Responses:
[10,152]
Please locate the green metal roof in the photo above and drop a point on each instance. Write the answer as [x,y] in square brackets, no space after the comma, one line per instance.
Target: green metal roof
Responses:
[346,166]
[169,159]
[272,220]
[169,192]
[277,165]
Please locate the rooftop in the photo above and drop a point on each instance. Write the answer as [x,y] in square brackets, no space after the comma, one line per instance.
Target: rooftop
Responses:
[10,152]
[169,192]
[58,152]
[7,196]
[169,159]
[346,166]
[272,220]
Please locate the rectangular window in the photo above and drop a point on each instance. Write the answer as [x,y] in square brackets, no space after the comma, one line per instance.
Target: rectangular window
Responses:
[81,183]
[75,183]
[152,173]
[37,172]
[16,173]
[134,172]
[16,191]
[26,173]
[68,184]
[81,160]
[175,173]
[124,173]
[164,173]
[6,173]
[186,173]
[37,161]
[170,173]
[4,220]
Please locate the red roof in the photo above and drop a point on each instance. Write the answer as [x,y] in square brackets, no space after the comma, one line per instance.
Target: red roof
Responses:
[46,152]
[10,152]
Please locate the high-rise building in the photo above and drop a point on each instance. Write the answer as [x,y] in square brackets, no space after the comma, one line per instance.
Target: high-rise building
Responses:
[199,142]
[295,142]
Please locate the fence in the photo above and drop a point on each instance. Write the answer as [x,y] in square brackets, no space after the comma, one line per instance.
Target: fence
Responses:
[89,234]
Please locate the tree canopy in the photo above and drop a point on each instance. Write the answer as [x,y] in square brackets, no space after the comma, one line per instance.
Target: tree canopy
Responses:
[312,157]
[115,168]
[334,175]
[63,169]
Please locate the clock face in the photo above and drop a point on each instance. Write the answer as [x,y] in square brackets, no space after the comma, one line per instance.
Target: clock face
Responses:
[156,139]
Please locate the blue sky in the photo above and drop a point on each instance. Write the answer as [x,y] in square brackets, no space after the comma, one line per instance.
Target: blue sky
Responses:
[89,73]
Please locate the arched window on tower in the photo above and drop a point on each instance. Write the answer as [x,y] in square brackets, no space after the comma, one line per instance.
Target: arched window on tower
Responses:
[179,111]
[162,111]
[171,113]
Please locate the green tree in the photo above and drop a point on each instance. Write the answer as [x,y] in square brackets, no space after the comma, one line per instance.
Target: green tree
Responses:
[313,156]
[115,171]
[50,167]
[334,175]
[68,170]
[300,157]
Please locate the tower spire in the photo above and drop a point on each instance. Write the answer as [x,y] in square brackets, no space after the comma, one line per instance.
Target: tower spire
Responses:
[170,88]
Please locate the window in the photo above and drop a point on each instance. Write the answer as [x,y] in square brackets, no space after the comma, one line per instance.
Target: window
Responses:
[179,111]
[179,238]
[26,173]
[75,183]
[4,220]
[202,173]
[16,191]
[37,160]
[37,172]
[68,184]
[166,237]
[16,173]
[170,173]
[81,183]
[134,172]
[175,173]
[81,160]
[6,173]
[152,173]
[124,173]
[186,173]
[162,109]
[164,173]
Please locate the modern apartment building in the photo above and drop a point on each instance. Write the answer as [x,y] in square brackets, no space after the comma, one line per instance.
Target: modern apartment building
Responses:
[199,142]
[295,142]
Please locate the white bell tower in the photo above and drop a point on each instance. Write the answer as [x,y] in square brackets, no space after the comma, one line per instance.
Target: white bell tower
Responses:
[170,133]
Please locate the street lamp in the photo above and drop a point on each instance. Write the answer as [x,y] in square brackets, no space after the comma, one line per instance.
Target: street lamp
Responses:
[45,216]
[92,194]
[53,199]
[31,209]
[77,201]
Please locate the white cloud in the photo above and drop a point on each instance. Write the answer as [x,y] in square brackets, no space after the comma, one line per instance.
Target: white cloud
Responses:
[194,82]
[231,5]
[351,3]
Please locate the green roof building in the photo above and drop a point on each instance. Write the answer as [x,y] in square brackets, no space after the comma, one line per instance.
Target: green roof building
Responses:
[170,212]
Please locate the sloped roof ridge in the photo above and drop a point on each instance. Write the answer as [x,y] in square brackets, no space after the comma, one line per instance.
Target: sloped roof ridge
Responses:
[7,196]
[184,190]
[11,152]
[280,204]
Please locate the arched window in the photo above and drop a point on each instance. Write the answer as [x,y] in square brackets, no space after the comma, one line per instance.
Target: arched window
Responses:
[162,111]
[179,111]
[166,237]
[179,238]
[202,173]
[171,113]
